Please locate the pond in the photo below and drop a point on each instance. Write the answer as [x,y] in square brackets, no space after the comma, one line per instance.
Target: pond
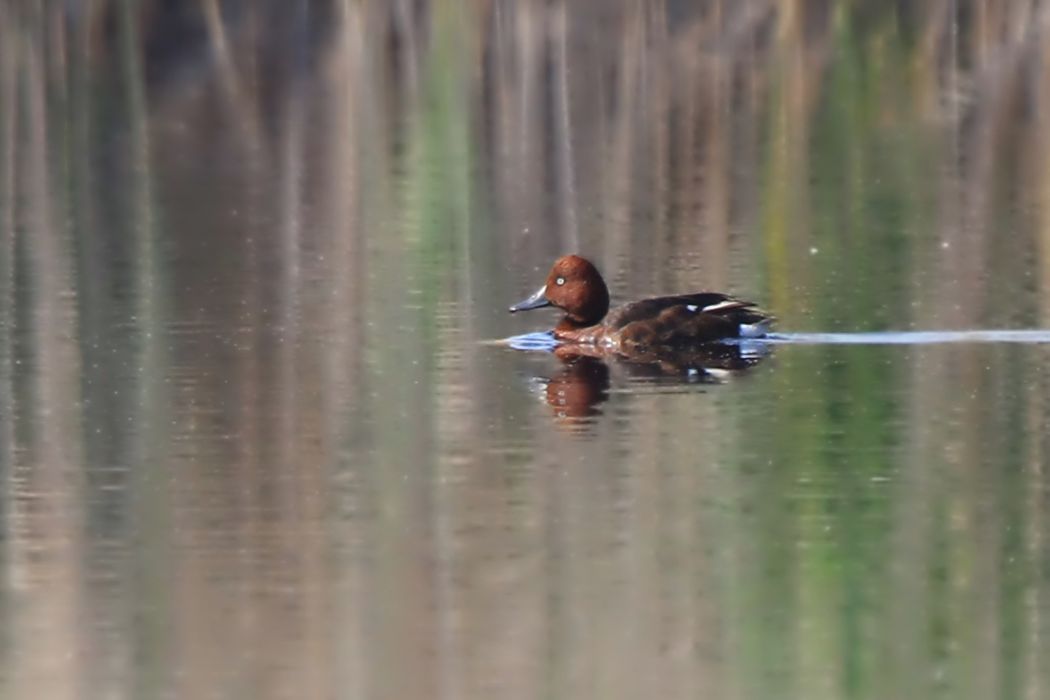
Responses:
[262,434]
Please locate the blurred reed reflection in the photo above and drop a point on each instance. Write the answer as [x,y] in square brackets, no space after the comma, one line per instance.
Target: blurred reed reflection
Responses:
[251,445]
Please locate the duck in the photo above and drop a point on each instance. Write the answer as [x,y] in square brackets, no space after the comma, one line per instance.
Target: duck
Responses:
[575,286]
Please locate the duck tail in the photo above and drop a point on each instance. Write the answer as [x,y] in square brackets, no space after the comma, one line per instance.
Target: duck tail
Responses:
[755,328]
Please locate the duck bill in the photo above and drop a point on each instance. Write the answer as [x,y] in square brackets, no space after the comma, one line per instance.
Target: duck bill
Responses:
[536,301]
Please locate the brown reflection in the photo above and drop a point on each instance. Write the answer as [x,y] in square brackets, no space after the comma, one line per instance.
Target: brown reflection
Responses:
[580,385]
[582,382]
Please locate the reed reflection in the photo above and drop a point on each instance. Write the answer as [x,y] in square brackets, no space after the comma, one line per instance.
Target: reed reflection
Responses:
[248,251]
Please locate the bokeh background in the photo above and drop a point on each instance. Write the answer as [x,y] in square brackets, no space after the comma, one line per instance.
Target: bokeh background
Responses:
[255,440]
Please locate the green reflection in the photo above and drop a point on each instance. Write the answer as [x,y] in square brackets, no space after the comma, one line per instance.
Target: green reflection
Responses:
[250,257]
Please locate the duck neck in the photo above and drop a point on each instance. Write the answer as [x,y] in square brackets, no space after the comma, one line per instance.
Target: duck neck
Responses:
[593,310]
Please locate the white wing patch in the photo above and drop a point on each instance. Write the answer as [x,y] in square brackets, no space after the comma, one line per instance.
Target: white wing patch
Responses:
[727,304]
[692,307]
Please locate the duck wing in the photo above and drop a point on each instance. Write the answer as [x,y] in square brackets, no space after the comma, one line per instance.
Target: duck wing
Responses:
[683,319]
[713,303]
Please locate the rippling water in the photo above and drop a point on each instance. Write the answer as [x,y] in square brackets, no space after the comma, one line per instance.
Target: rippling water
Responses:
[262,436]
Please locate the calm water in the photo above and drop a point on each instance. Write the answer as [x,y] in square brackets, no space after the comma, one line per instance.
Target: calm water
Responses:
[257,439]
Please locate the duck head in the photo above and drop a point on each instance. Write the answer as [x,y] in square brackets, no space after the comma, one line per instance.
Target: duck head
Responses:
[575,286]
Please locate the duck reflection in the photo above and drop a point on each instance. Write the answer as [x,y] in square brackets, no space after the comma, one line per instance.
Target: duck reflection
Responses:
[583,380]
[576,390]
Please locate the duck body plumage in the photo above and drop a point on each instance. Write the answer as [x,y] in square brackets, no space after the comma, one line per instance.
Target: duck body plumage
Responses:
[683,320]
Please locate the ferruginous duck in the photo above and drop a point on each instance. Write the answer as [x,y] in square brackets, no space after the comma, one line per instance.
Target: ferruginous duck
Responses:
[576,287]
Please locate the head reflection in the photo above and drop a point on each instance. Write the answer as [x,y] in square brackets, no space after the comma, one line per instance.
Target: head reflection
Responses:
[576,390]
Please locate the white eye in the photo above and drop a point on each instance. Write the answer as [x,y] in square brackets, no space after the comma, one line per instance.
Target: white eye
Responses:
[560,281]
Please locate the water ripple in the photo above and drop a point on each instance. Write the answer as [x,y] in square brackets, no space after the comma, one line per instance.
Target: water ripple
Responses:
[1032,337]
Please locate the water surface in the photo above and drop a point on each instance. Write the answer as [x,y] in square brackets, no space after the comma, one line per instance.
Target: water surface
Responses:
[257,440]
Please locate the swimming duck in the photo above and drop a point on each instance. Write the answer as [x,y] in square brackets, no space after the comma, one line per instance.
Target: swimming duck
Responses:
[575,286]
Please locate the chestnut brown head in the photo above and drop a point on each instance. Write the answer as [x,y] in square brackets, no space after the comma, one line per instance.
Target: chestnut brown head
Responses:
[575,286]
